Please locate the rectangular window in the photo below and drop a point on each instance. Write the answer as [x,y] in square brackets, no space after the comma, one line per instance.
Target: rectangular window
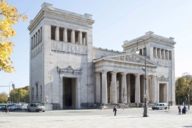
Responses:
[41,34]
[170,55]
[76,36]
[31,42]
[158,53]
[38,36]
[53,32]
[154,52]
[61,34]
[144,51]
[84,38]
[69,32]
[140,51]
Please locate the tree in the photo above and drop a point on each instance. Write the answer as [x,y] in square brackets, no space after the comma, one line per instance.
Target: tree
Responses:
[19,95]
[3,97]
[183,89]
[9,16]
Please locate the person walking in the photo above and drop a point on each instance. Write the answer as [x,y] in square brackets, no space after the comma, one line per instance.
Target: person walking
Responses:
[115,110]
[184,110]
[179,110]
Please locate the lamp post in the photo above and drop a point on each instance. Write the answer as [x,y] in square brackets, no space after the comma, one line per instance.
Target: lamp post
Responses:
[145,83]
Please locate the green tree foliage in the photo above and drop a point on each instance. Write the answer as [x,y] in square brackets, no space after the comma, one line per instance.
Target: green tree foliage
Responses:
[3,97]
[19,95]
[183,88]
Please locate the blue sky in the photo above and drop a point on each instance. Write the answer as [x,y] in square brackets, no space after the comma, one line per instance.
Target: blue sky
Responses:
[115,21]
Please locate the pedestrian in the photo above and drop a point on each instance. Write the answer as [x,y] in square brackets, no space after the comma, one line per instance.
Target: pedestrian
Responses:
[179,110]
[115,110]
[6,109]
[184,110]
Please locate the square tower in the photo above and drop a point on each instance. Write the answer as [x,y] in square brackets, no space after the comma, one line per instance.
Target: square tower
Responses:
[61,58]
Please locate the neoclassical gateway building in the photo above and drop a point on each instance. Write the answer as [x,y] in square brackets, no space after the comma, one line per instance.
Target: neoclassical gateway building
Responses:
[66,71]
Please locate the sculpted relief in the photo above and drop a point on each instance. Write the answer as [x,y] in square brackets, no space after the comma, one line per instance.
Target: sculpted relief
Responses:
[68,48]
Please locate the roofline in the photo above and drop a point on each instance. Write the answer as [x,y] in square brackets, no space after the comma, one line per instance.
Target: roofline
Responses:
[46,7]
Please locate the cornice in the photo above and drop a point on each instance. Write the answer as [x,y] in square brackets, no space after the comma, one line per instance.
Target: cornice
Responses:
[150,37]
[47,11]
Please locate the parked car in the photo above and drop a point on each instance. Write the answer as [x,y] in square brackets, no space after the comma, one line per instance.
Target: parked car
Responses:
[12,107]
[36,107]
[3,107]
[24,106]
[160,106]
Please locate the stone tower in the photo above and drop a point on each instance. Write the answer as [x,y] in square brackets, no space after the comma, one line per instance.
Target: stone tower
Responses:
[61,58]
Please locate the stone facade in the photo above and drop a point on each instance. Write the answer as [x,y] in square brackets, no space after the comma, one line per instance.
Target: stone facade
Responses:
[66,71]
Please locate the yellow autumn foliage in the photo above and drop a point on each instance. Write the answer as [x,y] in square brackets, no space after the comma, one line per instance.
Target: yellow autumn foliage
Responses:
[8,17]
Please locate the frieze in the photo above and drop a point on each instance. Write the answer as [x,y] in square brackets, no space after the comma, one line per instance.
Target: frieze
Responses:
[69,70]
[68,48]
[165,63]
[163,78]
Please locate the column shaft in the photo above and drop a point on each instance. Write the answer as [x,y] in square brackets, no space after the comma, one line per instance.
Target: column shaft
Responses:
[147,88]
[73,36]
[104,88]
[65,35]
[153,89]
[98,88]
[57,33]
[80,37]
[137,89]
[160,55]
[124,89]
[128,89]
[114,88]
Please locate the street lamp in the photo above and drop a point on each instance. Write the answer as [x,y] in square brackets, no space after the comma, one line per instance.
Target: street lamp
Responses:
[145,83]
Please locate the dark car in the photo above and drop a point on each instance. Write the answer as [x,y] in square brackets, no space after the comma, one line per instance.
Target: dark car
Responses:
[36,107]
[3,107]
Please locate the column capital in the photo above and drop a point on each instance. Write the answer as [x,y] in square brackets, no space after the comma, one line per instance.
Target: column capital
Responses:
[137,74]
[113,73]
[124,73]
[103,71]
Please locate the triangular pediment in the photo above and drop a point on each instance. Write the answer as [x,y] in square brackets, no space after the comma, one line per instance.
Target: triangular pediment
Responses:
[129,58]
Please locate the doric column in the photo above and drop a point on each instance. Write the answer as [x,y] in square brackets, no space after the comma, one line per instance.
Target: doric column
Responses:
[154,89]
[160,57]
[159,53]
[137,88]
[167,55]
[164,54]
[114,88]
[57,33]
[156,52]
[147,88]
[124,88]
[80,37]
[104,87]
[98,88]
[72,36]
[65,35]
[128,89]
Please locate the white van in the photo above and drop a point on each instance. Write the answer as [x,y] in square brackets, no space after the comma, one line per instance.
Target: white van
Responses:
[160,106]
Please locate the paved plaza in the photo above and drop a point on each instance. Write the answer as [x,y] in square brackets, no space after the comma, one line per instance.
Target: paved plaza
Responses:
[96,118]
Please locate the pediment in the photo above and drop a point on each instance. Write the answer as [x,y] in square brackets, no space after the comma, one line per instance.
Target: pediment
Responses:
[129,58]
